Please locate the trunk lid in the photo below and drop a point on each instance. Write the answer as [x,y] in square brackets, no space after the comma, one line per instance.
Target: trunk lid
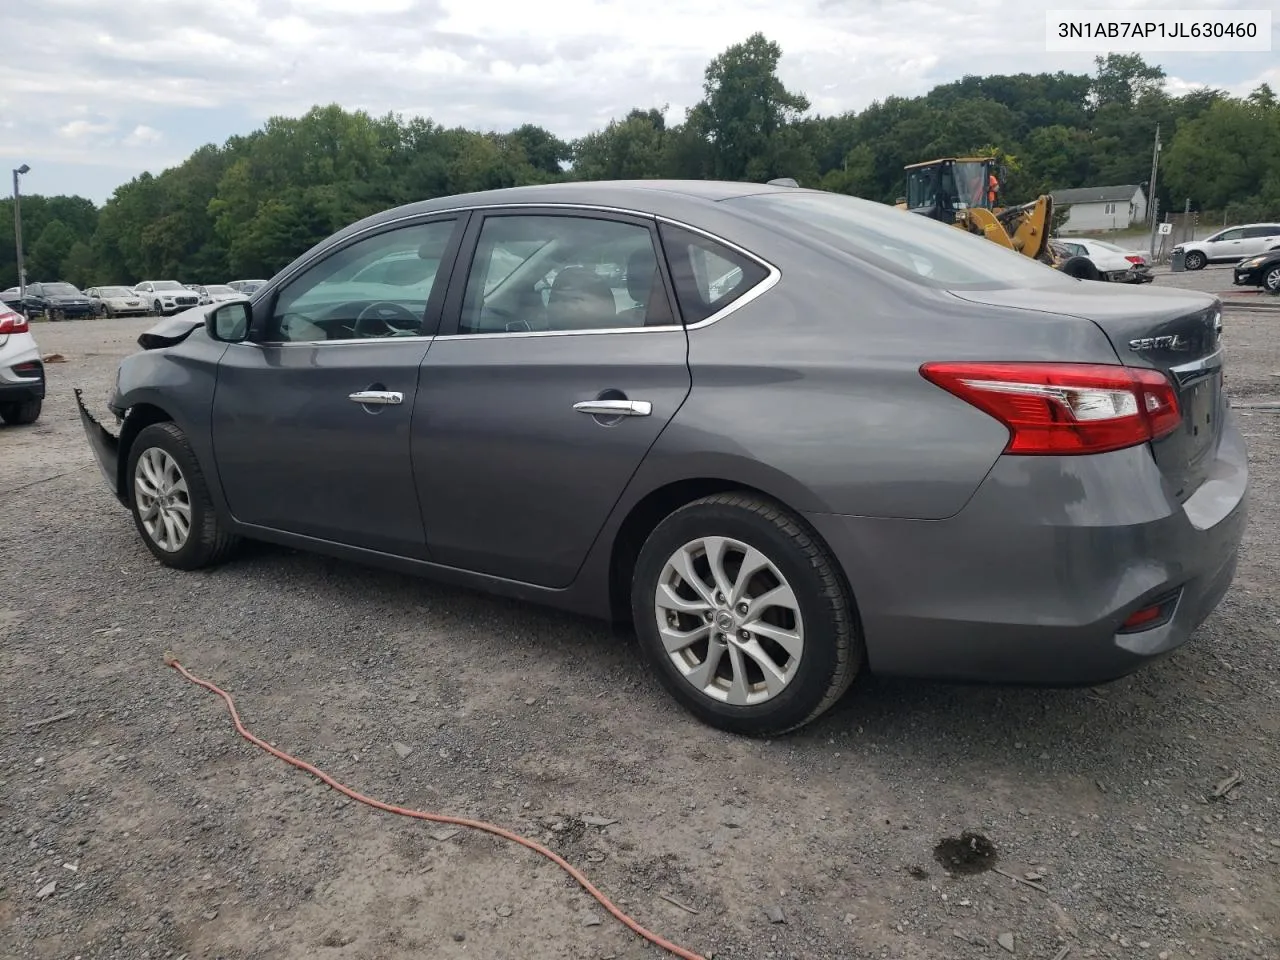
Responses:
[1177,332]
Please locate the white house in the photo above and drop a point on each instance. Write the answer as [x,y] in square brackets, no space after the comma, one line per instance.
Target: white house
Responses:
[1091,209]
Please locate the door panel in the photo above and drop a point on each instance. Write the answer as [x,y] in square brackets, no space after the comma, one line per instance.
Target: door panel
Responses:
[295,451]
[515,481]
[295,454]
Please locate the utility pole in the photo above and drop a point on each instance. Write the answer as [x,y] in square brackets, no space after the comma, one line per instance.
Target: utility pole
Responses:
[1152,205]
[17,230]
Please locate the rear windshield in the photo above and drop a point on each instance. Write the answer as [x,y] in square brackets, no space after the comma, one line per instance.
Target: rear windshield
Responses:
[907,244]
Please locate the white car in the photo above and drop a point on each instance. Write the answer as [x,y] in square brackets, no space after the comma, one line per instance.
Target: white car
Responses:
[166,297]
[117,302]
[246,286]
[1231,245]
[1114,263]
[218,293]
[21,370]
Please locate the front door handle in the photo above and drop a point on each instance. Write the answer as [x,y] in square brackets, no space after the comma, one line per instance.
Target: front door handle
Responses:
[615,408]
[377,397]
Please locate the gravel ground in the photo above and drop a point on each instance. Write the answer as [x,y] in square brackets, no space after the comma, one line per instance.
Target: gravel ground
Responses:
[143,827]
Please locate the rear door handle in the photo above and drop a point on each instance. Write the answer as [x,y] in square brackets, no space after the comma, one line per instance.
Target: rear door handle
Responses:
[615,408]
[377,397]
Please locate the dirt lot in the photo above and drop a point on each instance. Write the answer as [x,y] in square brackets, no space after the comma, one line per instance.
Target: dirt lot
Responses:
[167,835]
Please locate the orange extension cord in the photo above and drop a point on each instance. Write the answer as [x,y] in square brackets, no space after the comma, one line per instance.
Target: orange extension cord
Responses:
[675,950]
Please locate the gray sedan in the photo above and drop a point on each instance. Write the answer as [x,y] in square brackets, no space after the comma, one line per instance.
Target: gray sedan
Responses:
[790,435]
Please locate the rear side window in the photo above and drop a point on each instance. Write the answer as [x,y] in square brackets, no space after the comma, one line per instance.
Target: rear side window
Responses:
[1266,230]
[708,276]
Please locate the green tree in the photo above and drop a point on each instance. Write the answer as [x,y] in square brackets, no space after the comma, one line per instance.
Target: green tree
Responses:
[49,252]
[745,107]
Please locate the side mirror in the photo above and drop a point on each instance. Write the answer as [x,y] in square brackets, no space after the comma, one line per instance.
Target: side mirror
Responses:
[230,322]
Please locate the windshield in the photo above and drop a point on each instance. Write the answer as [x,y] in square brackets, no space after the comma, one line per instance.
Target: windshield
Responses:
[114,292]
[218,288]
[61,290]
[251,285]
[971,184]
[168,285]
[907,244]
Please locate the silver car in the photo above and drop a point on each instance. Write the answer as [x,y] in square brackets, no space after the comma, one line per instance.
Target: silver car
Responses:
[790,435]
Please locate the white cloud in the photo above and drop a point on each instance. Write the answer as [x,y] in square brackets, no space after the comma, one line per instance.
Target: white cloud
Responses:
[84,129]
[162,69]
[142,135]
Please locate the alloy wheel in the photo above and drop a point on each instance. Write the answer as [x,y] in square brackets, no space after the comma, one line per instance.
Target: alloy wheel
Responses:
[1272,280]
[729,621]
[163,499]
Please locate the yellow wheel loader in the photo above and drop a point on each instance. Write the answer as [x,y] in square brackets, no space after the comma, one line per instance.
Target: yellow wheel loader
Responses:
[965,191]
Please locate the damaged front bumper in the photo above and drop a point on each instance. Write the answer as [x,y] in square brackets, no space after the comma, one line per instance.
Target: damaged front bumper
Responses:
[105,445]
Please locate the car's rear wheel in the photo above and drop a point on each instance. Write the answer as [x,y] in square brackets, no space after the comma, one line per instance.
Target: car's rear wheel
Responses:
[1272,280]
[1195,260]
[170,501]
[1082,268]
[745,615]
[19,414]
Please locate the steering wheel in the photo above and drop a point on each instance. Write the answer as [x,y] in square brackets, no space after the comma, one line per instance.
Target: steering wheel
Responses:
[386,319]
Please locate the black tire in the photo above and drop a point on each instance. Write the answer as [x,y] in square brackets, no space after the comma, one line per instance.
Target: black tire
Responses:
[20,414]
[832,651]
[155,308]
[1271,280]
[1195,260]
[208,541]
[1081,268]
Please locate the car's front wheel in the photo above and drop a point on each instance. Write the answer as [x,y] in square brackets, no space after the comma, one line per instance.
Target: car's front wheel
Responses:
[170,501]
[19,414]
[745,615]
[1195,260]
[1272,280]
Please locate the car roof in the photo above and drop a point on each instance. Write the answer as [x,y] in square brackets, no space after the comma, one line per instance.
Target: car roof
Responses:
[649,196]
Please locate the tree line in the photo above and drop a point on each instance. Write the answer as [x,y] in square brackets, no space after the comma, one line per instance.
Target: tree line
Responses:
[248,207]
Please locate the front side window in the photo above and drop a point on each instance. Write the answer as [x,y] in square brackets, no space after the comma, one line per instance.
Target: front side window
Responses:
[563,273]
[1235,234]
[376,287]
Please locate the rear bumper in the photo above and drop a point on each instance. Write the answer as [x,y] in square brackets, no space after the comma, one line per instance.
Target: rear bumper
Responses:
[105,446]
[1031,582]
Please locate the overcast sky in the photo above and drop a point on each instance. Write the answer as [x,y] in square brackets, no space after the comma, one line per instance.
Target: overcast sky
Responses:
[93,93]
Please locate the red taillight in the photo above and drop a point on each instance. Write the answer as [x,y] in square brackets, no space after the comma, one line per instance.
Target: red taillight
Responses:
[1135,259]
[12,322]
[1140,618]
[1065,408]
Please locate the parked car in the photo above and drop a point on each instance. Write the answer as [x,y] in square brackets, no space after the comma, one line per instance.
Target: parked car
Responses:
[21,370]
[882,444]
[12,298]
[1260,271]
[166,297]
[247,287]
[218,293]
[55,301]
[1230,245]
[1114,263]
[117,302]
